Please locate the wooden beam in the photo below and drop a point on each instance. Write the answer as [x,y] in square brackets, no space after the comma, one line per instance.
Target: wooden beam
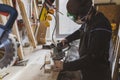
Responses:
[36,14]
[35,9]
[27,24]
[20,49]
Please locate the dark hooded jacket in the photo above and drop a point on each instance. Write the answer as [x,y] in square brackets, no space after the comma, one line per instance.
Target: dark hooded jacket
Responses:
[95,36]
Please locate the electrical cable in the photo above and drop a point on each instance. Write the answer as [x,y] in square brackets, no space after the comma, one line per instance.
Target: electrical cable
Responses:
[54,30]
[55,25]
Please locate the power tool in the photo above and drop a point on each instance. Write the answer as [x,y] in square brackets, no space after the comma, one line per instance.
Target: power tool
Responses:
[8,41]
[59,51]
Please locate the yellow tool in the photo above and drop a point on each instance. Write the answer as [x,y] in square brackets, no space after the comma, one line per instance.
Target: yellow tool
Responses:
[44,19]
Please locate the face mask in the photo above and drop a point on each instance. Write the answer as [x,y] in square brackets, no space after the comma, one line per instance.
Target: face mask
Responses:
[76,19]
[81,20]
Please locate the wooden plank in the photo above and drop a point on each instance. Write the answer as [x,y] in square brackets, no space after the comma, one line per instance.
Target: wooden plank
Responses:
[47,68]
[48,59]
[35,9]
[36,17]
[20,49]
[27,24]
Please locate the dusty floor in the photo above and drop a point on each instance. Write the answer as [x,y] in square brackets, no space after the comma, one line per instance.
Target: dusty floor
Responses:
[32,70]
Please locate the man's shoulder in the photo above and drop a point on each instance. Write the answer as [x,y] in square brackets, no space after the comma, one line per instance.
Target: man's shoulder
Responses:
[101,17]
[101,22]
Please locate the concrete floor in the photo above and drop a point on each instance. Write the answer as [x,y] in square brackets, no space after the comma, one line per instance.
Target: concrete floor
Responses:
[32,70]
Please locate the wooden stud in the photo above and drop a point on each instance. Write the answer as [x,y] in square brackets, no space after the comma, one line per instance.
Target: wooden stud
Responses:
[27,24]
[36,17]
[35,9]
[47,68]
[47,59]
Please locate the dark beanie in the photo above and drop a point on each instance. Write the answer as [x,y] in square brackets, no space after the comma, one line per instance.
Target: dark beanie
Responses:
[50,2]
[84,2]
[79,6]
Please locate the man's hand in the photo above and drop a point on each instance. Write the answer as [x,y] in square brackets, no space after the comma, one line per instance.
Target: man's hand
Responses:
[63,44]
[58,65]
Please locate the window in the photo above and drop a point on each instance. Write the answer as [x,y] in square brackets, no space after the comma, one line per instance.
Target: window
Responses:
[65,24]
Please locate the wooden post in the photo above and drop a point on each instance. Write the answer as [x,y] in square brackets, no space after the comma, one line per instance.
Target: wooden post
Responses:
[35,9]
[15,31]
[36,16]
[27,24]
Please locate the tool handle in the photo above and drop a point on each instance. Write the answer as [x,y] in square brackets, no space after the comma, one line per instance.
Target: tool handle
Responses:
[12,15]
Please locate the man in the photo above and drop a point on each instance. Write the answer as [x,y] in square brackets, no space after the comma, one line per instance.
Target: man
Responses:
[94,34]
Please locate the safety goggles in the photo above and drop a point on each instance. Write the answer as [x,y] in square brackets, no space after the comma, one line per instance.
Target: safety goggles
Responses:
[77,19]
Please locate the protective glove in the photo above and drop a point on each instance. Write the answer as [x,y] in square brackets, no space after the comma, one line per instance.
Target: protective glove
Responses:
[63,44]
[58,65]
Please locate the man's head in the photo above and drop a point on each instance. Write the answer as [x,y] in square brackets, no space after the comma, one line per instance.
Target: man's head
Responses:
[79,8]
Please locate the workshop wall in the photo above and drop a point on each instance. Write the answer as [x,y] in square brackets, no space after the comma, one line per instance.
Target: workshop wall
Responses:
[107,1]
[52,23]
[65,19]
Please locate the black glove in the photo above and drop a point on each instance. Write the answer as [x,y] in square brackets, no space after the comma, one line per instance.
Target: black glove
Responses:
[63,44]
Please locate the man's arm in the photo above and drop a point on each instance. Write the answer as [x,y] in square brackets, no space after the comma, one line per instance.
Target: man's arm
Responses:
[76,35]
[98,44]
[73,36]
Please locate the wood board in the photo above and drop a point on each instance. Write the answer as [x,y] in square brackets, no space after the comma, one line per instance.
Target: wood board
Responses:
[27,24]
